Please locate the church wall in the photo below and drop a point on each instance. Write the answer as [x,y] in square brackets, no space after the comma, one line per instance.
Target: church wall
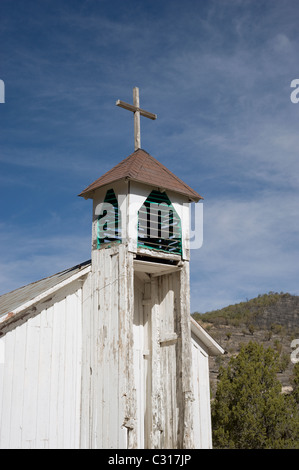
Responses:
[41,375]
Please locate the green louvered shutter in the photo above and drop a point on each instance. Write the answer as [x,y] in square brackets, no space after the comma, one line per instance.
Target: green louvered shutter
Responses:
[109,223]
[159,226]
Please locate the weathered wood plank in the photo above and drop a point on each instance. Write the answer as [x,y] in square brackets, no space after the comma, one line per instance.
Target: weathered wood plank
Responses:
[187,386]
[31,383]
[87,341]
[44,379]
[131,107]
[113,327]
[201,404]
[7,391]
[128,406]
[19,345]
[58,334]
[157,411]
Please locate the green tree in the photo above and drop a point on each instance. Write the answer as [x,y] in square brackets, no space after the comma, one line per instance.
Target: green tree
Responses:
[249,411]
[296,383]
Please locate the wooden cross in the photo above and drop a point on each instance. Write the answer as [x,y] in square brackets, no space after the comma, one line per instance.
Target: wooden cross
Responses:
[137,112]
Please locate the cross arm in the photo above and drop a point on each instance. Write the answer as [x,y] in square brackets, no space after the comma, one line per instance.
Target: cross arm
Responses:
[133,108]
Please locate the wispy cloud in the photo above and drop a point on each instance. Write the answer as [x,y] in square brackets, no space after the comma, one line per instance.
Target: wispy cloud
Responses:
[30,256]
[250,247]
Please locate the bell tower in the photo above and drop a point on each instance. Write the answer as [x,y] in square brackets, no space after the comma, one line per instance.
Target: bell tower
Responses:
[140,393]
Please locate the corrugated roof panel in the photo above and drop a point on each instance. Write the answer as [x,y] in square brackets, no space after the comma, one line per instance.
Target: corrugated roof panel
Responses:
[17,297]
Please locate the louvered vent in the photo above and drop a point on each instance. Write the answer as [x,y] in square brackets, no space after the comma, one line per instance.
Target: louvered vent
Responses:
[109,224]
[159,226]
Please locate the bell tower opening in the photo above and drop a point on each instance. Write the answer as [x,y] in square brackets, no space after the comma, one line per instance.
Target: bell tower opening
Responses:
[108,223]
[159,226]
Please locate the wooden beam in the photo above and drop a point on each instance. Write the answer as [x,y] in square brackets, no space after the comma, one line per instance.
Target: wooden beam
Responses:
[130,107]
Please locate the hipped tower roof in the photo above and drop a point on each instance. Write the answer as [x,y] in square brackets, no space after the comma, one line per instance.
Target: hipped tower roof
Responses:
[142,167]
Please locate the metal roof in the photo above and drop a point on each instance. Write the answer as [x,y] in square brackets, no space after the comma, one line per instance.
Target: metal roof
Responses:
[213,348]
[14,299]
[141,166]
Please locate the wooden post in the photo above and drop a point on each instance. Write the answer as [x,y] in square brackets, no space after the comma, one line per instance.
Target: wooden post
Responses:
[137,137]
[108,351]
[157,414]
[186,352]
[127,391]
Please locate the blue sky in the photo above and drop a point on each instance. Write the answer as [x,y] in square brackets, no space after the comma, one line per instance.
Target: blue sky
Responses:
[216,72]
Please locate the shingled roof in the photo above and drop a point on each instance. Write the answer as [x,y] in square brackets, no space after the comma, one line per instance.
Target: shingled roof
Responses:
[141,166]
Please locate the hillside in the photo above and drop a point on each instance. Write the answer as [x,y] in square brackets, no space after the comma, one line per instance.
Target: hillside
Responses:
[271,319]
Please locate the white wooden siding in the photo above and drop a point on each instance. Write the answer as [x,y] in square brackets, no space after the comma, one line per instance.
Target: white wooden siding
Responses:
[108,392]
[40,380]
[201,404]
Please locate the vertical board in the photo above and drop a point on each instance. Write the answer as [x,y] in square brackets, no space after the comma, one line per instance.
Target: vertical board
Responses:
[171,358]
[157,392]
[168,360]
[17,392]
[106,353]
[138,338]
[2,362]
[44,377]
[186,357]
[201,403]
[87,364]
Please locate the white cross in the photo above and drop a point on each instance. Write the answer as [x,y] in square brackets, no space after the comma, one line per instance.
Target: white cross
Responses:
[137,112]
